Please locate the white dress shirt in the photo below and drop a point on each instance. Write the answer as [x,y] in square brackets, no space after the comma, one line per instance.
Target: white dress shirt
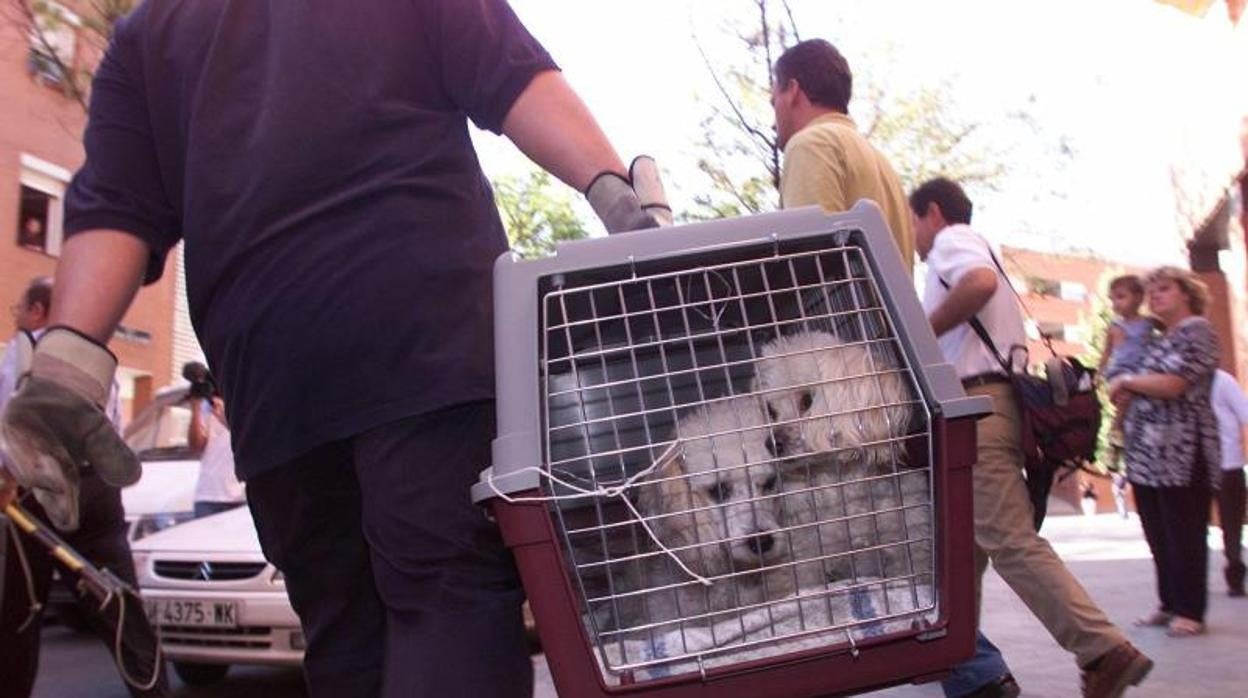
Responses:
[957,250]
[1230,406]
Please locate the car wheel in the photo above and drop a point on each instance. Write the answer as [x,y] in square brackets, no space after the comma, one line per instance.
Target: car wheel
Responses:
[200,674]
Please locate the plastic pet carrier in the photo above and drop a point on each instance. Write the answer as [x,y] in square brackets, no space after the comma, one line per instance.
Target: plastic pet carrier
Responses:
[731,461]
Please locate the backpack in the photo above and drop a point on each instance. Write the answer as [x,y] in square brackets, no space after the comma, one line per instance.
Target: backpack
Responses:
[1059,417]
[1059,413]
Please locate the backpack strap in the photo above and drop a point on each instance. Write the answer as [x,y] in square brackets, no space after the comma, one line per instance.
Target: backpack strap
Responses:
[1006,364]
[1048,341]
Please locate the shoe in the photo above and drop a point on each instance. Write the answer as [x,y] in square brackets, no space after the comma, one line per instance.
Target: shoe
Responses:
[1004,687]
[1185,627]
[1111,674]
[1235,592]
[1156,619]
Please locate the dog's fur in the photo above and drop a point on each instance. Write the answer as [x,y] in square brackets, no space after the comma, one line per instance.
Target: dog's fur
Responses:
[714,503]
[829,398]
[837,425]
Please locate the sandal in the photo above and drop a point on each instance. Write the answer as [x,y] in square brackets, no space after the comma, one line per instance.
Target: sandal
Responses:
[1185,627]
[1156,619]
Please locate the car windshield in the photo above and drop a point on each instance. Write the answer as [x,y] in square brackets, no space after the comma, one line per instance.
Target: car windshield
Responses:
[159,431]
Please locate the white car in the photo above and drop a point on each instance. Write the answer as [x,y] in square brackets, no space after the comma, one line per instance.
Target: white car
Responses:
[215,599]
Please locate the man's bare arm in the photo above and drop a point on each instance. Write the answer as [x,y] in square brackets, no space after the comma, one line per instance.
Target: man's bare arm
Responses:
[552,126]
[966,298]
[99,273]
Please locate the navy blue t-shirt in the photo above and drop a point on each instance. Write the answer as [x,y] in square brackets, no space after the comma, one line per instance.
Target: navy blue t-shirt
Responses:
[315,158]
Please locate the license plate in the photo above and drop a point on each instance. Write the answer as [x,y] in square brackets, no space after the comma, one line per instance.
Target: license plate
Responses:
[205,614]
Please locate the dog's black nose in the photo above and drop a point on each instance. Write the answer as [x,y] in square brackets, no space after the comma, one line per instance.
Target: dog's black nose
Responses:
[762,543]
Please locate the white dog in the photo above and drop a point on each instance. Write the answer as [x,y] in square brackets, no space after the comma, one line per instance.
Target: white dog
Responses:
[831,398]
[718,505]
[839,412]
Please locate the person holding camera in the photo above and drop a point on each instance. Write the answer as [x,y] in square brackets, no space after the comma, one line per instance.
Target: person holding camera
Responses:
[217,488]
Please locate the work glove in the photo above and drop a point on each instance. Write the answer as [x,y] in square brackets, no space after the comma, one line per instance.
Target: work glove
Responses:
[201,382]
[624,206]
[55,424]
[644,173]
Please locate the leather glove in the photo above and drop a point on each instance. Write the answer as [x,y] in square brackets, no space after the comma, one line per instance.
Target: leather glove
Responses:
[56,424]
[644,172]
[621,206]
[200,379]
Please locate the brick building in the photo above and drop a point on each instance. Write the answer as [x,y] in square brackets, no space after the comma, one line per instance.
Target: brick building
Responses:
[40,148]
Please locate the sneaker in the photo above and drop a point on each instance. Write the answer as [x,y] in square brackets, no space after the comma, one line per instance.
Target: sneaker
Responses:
[1005,687]
[1111,674]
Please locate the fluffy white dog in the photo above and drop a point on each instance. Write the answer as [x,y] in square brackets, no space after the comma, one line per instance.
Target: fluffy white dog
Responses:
[718,505]
[830,398]
[839,412]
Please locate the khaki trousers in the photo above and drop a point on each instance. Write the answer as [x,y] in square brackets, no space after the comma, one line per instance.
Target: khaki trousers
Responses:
[1005,536]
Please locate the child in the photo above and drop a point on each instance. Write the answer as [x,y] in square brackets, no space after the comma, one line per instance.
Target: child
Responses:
[1125,340]
[1129,332]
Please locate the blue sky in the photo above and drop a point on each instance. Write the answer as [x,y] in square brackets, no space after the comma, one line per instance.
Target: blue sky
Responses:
[1124,87]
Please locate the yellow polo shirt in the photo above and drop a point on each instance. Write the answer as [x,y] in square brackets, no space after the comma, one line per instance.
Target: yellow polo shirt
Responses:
[829,163]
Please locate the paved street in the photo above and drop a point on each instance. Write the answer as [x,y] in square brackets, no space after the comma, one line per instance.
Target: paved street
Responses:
[1106,553]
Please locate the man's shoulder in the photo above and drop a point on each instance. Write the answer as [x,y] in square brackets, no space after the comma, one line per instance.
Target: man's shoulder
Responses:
[823,133]
[958,238]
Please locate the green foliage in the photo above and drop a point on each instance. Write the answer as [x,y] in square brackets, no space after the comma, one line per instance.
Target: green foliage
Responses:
[536,213]
[923,138]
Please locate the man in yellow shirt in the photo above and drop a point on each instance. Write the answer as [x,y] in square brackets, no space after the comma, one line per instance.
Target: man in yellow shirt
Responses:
[826,160]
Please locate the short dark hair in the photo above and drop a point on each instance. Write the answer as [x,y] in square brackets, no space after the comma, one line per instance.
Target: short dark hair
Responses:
[39,291]
[1130,282]
[953,203]
[820,70]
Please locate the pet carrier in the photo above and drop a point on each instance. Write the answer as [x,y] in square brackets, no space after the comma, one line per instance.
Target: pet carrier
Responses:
[731,461]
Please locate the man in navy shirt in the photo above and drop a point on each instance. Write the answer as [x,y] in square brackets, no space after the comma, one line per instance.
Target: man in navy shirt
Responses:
[315,159]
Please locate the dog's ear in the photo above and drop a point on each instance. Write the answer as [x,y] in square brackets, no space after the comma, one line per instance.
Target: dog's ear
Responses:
[659,486]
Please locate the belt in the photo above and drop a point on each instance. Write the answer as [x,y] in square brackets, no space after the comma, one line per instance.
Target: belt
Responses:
[990,378]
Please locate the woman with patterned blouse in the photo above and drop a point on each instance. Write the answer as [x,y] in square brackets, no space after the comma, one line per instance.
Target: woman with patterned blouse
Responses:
[1172,449]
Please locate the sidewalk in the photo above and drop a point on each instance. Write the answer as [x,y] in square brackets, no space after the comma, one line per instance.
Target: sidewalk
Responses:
[1110,557]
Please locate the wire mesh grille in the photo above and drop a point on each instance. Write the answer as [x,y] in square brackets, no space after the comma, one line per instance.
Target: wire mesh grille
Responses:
[788,503]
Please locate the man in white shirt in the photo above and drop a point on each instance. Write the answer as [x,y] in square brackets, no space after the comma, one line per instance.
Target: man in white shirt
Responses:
[1230,406]
[964,282]
[100,536]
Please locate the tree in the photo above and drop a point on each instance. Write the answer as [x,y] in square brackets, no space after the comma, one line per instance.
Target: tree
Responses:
[67,38]
[536,213]
[740,155]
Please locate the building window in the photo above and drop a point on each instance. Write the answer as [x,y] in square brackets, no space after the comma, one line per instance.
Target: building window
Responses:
[1073,291]
[53,42]
[1043,287]
[40,211]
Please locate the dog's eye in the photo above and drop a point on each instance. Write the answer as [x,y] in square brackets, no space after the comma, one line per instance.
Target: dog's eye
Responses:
[808,399]
[769,484]
[719,491]
[774,446]
[771,411]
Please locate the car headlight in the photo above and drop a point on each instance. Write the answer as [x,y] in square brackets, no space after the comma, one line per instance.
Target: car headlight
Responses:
[155,523]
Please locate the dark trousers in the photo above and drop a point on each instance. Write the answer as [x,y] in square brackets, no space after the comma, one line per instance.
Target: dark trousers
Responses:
[402,585]
[1176,523]
[1231,514]
[101,539]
